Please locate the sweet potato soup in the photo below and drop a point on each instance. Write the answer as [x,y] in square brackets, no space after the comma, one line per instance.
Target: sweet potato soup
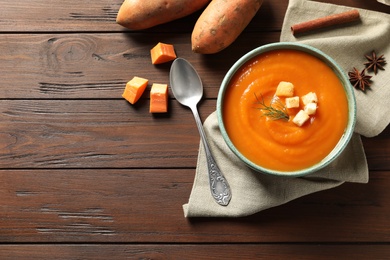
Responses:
[280,144]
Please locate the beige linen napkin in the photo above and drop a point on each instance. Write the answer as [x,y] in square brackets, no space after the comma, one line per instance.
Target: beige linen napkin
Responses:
[253,191]
[386,2]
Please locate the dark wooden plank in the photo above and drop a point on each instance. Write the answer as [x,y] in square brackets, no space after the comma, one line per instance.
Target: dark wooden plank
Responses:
[231,251]
[113,134]
[123,205]
[378,150]
[96,133]
[98,65]
[65,15]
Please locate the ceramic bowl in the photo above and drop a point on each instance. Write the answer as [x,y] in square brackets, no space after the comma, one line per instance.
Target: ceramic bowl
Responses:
[345,138]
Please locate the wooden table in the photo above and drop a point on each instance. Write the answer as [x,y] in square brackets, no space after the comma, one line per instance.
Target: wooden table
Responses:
[86,175]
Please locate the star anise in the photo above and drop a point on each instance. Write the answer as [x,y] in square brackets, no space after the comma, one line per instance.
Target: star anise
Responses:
[359,79]
[375,62]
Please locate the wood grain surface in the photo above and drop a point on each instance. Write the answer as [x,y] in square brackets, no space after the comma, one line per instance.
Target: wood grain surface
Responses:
[86,175]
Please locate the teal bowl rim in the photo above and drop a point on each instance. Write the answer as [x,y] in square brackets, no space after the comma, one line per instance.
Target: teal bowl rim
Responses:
[344,140]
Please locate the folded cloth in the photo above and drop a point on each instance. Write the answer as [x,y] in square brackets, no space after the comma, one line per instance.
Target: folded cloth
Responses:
[348,45]
[386,2]
[253,191]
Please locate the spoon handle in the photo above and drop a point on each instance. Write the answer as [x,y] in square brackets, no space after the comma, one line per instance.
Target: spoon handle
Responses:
[219,186]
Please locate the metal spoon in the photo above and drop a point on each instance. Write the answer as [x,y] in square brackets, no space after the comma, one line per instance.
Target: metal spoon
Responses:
[188,90]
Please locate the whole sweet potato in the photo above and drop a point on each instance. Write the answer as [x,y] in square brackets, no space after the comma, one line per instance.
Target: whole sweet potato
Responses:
[143,14]
[221,23]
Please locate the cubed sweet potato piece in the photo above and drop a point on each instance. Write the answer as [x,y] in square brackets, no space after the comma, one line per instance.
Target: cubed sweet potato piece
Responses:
[162,53]
[134,89]
[159,98]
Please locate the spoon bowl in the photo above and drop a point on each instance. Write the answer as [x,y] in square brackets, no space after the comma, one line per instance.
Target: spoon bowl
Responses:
[185,82]
[187,88]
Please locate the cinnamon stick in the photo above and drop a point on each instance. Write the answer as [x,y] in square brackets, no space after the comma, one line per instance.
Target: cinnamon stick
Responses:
[326,21]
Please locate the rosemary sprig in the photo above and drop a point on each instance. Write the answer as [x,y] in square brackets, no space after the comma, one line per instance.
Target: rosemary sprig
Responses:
[276,110]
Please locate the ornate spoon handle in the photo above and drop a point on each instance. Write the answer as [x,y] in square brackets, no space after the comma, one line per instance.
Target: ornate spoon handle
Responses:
[219,186]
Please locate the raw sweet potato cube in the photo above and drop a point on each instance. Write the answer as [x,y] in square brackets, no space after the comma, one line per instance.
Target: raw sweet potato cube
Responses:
[162,52]
[134,89]
[159,98]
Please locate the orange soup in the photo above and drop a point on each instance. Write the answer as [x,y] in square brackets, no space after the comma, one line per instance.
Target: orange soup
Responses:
[281,144]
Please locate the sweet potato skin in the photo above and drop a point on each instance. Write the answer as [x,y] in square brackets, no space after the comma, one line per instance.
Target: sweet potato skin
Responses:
[221,23]
[143,14]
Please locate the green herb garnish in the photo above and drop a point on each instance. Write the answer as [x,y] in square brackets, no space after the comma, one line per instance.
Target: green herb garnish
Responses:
[276,110]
